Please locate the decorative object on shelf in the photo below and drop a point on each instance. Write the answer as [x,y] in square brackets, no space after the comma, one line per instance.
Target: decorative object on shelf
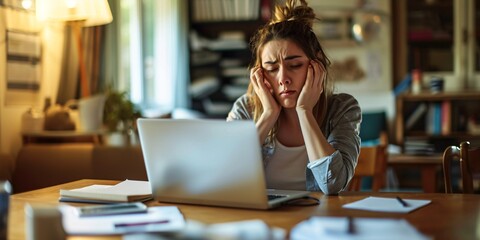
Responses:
[473,124]
[348,70]
[416,81]
[32,120]
[57,118]
[436,84]
[90,112]
[366,25]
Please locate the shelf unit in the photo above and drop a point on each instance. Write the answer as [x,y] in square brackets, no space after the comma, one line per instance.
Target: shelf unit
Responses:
[441,38]
[219,51]
[442,119]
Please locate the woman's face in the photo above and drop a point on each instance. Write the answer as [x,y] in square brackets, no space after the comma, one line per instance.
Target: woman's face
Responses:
[285,68]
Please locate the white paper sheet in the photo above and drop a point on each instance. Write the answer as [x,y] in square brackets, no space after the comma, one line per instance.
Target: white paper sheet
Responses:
[380,204]
[157,219]
[365,228]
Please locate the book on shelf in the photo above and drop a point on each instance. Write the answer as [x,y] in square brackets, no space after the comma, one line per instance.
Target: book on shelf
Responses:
[415,116]
[437,120]
[126,191]
[235,72]
[204,86]
[434,119]
[446,117]
[216,107]
[234,91]
[225,10]
[419,147]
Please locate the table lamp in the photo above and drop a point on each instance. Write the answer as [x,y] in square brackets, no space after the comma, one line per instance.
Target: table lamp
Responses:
[78,14]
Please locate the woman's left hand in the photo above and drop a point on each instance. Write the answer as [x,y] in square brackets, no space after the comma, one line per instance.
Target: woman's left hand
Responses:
[313,87]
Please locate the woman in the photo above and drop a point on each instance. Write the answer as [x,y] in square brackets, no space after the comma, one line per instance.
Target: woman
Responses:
[310,136]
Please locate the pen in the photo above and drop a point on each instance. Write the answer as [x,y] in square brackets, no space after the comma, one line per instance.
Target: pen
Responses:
[405,204]
[133,224]
[351,226]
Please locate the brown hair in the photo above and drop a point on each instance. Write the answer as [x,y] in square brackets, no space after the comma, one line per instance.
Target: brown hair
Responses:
[293,21]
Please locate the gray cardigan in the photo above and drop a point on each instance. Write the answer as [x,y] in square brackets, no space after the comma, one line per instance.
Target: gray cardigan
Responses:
[332,173]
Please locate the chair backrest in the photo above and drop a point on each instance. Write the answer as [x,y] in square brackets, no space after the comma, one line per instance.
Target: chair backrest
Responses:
[373,128]
[469,160]
[372,162]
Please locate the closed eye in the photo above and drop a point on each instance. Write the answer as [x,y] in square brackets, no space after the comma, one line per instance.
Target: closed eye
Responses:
[295,66]
[271,70]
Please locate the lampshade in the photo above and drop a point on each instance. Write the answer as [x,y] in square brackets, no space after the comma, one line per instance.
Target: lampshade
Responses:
[93,12]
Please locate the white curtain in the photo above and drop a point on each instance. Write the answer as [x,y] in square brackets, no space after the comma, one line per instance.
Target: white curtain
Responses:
[171,54]
[151,56]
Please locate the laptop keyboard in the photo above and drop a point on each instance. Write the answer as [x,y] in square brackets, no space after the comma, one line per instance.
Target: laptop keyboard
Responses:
[275,196]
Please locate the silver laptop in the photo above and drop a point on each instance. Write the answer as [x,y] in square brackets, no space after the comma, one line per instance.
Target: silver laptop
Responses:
[207,162]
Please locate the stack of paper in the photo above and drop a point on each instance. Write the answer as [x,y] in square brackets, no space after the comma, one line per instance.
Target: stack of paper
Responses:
[365,228]
[126,191]
[157,219]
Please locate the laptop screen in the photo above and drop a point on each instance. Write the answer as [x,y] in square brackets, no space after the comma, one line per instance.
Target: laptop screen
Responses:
[204,161]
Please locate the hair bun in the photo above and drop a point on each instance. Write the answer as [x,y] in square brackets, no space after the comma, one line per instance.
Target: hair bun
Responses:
[294,10]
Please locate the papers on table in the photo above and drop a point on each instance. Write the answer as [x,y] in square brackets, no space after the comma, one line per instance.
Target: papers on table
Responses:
[239,230]
[380,204]
[157,219]
[365,228]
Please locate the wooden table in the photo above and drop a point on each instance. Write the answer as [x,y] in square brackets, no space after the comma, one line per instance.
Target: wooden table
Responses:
[428,166]
[449,216]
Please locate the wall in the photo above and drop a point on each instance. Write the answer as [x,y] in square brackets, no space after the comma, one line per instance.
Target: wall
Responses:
[374,57]
[14,103]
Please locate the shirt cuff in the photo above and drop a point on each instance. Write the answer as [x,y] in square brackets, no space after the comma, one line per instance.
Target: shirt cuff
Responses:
[321,160]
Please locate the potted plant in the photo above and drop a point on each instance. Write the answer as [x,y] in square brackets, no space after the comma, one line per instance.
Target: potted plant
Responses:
[119,117]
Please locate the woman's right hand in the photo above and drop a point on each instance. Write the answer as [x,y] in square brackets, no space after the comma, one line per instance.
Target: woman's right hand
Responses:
[271,108]
[264,91]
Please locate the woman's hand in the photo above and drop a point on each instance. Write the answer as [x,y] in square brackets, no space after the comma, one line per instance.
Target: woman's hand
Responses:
[313,87]
[271,108]
[264,91]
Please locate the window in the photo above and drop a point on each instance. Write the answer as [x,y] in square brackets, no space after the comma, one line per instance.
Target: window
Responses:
[152,61]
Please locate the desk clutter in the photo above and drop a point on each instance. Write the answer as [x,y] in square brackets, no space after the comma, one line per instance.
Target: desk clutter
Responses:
[159,222]
[123,213]
[168,222]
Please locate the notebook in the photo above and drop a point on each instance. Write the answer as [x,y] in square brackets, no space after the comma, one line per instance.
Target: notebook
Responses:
[207,162]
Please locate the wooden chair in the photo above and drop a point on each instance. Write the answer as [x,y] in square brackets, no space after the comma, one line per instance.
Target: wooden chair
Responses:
[469,160]
[372,162]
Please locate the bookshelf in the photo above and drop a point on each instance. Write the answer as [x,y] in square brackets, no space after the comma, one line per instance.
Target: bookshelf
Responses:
[440,37]
[426,123]
[220,31]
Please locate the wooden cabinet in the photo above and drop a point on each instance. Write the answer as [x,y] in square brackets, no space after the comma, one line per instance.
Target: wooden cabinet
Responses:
[437,120]
[220,31]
